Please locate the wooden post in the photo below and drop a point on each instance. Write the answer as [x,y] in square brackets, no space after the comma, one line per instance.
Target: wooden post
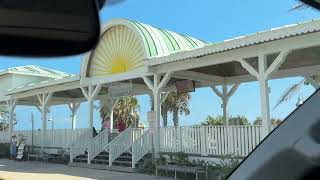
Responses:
[44,99]
[74,107]
[225,96]
[32,124]
[11,105]
[264,95]
[90,93]
[156,86]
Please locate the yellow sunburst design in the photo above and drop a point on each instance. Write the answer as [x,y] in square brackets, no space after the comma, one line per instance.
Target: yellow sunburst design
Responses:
[119,50]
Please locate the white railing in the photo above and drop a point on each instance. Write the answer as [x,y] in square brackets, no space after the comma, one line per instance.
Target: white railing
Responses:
[122,143]
[141,147]
[62,138]
[98,144]
[4,137]
[80,144]
[211,140]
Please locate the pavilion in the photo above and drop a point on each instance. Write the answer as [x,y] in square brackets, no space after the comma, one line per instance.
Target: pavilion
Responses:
[134,58]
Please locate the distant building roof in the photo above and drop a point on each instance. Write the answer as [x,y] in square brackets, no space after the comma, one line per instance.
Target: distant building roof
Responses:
[34,70]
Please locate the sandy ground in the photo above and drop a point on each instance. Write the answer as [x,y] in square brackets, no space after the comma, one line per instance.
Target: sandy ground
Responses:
[13,170]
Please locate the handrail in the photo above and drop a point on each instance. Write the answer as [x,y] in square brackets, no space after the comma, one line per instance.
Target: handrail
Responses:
[97,144]
[122,143]
[128,129]
[79,145]
[141,147]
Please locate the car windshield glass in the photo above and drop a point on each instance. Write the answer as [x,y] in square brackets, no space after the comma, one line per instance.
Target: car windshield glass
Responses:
[181,89]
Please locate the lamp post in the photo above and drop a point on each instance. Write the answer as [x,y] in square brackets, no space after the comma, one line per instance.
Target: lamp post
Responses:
[32,129]
[52,123]
[52,132]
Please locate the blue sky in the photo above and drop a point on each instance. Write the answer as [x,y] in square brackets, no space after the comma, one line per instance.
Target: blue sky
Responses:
[209,20]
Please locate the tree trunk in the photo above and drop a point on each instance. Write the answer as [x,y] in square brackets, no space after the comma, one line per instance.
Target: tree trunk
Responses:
[151,103]
[164,114]
[175,114]
[165,119]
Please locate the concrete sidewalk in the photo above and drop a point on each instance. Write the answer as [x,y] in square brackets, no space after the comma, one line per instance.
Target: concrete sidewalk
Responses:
[13,170]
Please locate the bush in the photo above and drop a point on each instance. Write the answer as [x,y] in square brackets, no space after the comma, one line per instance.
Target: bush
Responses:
[216,171]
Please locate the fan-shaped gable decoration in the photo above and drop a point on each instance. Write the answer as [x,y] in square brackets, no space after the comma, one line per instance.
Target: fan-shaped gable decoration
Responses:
[125,44]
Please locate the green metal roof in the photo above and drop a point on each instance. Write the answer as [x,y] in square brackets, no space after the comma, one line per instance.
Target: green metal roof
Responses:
[125,45]
[161,42]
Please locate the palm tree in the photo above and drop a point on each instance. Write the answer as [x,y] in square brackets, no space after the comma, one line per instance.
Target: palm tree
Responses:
[295,89]
[164,112]
[274,121]
[4,118]
[219,121]
[213,121]
[176,103]
[126,108]
[298,6]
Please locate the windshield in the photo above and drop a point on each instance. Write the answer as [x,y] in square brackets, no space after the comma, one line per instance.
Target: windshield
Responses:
[179,89]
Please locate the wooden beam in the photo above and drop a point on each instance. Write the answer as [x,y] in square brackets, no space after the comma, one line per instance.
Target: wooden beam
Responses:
[196,76]
[215,90]
[280,59]
[53,88]
[248,67]
[284,73]
[134,74]
[165,80]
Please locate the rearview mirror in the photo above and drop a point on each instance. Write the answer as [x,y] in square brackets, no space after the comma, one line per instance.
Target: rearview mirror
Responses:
[313,3]
[48,27]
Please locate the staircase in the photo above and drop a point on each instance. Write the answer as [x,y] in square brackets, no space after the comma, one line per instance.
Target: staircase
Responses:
[123,163]
[120,154]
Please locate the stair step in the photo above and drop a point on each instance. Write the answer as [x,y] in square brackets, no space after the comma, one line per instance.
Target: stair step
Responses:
[107,156]
[82,156]
[116,161]
[81,159]
[103,156]
[103,167]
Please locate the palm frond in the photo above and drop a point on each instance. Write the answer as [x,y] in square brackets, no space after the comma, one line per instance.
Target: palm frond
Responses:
[290,92]
[298,6]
